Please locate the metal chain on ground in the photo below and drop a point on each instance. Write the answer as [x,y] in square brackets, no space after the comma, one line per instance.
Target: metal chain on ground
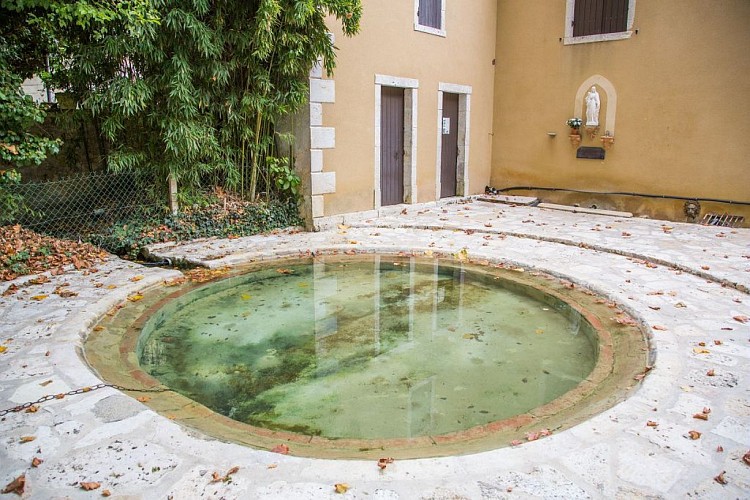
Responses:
[50,397]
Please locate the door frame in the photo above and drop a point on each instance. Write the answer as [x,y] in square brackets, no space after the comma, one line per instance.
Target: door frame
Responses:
[410,87]
[464,121]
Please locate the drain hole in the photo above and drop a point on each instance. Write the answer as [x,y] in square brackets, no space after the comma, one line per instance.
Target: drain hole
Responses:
[723,220]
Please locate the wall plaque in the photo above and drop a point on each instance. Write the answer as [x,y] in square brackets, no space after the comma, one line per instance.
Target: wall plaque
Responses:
[590,153]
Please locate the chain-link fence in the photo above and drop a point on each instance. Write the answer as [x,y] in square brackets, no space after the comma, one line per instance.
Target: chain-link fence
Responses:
[83,206]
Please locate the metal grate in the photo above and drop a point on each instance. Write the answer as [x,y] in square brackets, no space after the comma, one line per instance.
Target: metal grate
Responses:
[722,220]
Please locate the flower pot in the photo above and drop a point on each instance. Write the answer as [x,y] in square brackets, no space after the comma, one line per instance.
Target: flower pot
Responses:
[607,141]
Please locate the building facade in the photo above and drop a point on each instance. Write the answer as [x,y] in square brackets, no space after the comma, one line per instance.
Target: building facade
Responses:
[440,98]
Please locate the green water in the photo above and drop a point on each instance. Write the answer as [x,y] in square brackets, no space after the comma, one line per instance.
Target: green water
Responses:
[373,348]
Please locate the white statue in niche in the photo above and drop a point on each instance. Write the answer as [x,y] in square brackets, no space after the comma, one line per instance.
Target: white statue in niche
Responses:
[592,107]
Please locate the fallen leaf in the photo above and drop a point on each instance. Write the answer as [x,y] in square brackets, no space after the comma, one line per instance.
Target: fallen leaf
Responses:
[106,493]
[701,416]
[233,470]
[282,270]
[16,486]
[532,436]
[720,478]
[383,462]
[651,423]
[717,342]
[3,348]
[136,278]
[699,350]
[98,328]
[281,448]
[741,318]
[625,320]
[27,439]
[720,449]
[272,466]
[659,327]
[694,435]
[111,287]
[39,297]
[36,462]
[64,292]
[340,487]
[215,477]
[32,409]
[143,399]
[89,486]
[45,383]
[516,442]
[135,298]
[705,268]
[174,282]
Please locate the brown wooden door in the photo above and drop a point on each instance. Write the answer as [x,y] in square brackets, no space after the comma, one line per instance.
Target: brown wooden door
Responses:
[392,146]
[449,148]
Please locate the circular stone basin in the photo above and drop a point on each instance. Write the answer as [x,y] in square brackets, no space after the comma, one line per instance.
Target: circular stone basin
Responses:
[345,356]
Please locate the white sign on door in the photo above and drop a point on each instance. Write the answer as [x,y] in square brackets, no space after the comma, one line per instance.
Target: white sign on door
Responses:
[446,126]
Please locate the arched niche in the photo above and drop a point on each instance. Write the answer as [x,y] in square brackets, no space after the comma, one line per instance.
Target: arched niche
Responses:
[610,111]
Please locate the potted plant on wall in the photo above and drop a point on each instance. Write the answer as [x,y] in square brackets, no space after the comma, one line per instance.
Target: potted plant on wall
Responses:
[575,130]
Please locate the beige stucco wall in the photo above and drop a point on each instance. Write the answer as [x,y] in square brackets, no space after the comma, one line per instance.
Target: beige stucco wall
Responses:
[683,100]
[389,45]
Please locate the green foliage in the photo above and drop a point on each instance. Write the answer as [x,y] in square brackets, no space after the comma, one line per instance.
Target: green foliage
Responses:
[197,97]
[284,178]
[201,220]
[22,141]
[10,203]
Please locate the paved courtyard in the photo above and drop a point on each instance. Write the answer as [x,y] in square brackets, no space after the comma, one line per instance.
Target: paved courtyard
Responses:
[687,283]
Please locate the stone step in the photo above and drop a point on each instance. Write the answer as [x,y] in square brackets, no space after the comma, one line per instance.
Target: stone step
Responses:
[583,210]
[511,200]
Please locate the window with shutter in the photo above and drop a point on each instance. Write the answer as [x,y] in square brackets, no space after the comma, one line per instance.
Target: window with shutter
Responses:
[429,16]
[598,20]
[594,17]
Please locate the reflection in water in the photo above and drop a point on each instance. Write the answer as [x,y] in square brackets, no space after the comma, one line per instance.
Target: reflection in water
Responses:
[370,348]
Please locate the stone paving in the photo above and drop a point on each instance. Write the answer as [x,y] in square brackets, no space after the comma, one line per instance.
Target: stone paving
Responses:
[687,283]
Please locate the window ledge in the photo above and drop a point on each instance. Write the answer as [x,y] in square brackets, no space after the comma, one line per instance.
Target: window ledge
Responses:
[429,29]
[605,37]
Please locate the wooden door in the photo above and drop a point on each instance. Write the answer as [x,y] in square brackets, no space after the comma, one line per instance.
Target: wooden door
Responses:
[449,147]
[391,146]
